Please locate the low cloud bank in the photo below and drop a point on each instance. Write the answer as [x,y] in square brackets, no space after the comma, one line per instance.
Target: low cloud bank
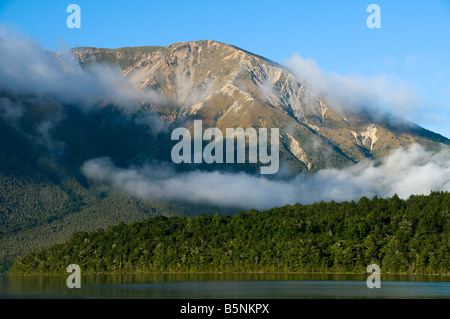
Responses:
[404,172]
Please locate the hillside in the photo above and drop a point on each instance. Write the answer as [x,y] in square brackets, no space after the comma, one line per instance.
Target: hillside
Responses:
[401,236]
[44,198]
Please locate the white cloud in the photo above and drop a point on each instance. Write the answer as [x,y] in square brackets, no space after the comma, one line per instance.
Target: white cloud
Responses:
[357,92]
[403,172]
[25,68]
[10,110]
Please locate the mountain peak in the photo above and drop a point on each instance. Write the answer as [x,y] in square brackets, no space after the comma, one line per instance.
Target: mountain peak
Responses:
[203,43]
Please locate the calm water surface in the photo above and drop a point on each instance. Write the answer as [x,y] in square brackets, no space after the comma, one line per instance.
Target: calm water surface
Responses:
[258,286]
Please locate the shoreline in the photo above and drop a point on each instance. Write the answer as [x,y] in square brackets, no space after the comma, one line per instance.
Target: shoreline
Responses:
[224,274]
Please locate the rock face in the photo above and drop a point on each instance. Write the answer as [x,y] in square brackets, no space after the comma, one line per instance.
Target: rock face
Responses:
[298,152]
[228,87]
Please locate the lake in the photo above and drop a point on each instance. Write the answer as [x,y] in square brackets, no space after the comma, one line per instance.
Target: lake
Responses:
[225,286]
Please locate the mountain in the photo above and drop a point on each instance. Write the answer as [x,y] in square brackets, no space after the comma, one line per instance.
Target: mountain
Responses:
[46,137]
[227,87]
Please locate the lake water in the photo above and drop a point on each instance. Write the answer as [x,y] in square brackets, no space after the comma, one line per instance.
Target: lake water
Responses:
[239,286]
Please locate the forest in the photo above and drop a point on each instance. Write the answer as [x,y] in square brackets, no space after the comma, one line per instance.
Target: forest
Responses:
[410,236]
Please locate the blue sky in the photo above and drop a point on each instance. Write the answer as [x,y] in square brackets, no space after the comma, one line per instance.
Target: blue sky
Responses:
[412,45]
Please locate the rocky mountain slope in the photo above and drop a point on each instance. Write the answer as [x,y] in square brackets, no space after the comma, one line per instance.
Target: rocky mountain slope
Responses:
[228,87]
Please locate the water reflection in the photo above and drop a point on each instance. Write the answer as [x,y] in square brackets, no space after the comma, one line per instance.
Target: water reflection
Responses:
[284,286]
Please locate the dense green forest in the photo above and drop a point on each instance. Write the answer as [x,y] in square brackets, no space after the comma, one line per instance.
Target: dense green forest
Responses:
[91,211]
[402,236]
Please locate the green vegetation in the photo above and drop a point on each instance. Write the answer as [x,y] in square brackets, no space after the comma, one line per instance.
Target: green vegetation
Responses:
[402,236]
[101,211]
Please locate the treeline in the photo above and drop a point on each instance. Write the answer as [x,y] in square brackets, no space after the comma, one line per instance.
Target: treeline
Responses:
[401,236]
